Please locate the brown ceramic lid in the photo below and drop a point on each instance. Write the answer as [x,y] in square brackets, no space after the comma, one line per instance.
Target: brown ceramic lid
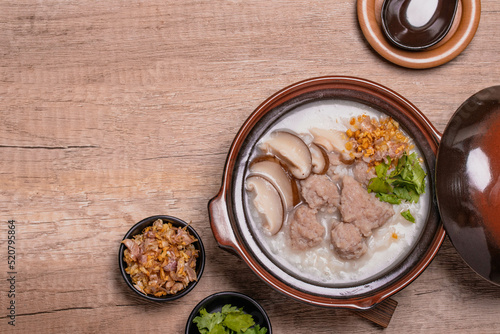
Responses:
[468,182]
[402,32]
[460,35]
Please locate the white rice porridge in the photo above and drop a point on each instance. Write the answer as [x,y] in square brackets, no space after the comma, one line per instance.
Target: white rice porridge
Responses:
[387,245]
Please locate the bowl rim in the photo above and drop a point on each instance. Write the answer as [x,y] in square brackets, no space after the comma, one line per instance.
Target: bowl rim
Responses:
[136,229]
[222,218]
[197,308]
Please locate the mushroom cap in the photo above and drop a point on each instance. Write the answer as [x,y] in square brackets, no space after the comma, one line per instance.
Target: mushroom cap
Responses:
[277,176]
[332,140]
[292,150]
[320,161]
[267,202]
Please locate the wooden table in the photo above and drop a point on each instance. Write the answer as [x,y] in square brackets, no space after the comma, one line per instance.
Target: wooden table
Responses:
[113,111]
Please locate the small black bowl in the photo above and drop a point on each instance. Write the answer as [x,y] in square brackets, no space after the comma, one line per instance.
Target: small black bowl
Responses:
[137,229]
[214,303]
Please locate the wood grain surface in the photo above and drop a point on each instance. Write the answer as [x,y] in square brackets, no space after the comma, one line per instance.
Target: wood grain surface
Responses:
[113,111]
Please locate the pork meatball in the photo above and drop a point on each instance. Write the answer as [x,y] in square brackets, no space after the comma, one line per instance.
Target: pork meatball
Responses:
[305,230]
[361,208]
[320,193]
[363,173]
[348,241]
[334,161]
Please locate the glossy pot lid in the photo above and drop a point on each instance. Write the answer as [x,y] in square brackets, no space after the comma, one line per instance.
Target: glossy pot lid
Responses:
[468,182]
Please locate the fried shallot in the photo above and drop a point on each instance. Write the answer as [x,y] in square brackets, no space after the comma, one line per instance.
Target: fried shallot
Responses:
[162,259]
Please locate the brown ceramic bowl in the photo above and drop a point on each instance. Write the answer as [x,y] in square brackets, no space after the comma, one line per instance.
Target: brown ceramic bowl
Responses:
[227,212]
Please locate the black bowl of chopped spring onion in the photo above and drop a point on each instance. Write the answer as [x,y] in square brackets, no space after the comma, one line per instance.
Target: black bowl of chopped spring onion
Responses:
[161,258]
[233,312]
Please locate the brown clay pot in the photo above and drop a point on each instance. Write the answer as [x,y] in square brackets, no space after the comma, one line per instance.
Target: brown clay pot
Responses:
[227,214]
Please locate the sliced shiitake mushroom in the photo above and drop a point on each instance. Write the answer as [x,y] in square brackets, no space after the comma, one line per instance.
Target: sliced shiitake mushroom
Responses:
[292,150]
[320,161]
[277,176]
[332,140]
[267,202]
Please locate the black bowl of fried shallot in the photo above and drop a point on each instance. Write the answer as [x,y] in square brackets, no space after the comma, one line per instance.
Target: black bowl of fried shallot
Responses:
[161,258]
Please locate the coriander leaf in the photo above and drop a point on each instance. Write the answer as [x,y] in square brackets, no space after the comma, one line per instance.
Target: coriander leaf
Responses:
[418,178]
[399,167]
[238,321]
[399,182]
[405,182]
[405,172]
[378,185]
[408,216]
[389,198]
[219,329]
[228,308]
[381,170]
[413,172]
[207,321]
[230,320]
[256,330]
[406,194]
